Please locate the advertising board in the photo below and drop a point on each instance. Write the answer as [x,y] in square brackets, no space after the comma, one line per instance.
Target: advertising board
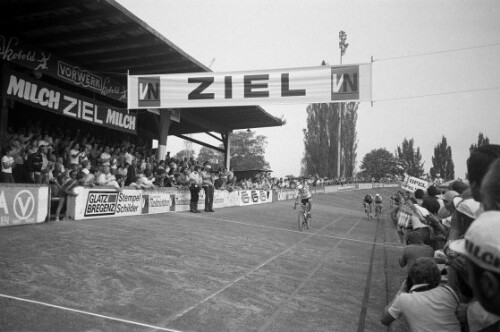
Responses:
[104,202]
[157,201]
[411,184]
[250,197]
[23,205]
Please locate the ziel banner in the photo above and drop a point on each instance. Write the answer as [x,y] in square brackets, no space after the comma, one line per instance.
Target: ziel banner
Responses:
[323,84]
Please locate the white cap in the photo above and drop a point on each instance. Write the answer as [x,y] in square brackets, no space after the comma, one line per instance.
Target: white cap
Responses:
[481,243]
[469,207]
[300,186]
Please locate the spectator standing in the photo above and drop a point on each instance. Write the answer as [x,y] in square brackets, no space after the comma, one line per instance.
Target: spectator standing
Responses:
[8,163]
[185,180]
[74,156]
[131,169]
[195,185]
[208,187]
[36,163]
[66,189]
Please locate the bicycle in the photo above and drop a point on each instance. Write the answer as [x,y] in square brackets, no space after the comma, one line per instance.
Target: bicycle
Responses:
[368,210]
[378,211]
[304,217]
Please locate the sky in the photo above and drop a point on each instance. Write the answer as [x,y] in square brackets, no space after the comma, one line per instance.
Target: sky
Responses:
[435,70]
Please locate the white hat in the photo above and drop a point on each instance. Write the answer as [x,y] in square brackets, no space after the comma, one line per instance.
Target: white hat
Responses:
[469,207]
[481,243]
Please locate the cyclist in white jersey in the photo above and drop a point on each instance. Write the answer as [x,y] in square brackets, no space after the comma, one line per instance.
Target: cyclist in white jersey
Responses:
[305,195]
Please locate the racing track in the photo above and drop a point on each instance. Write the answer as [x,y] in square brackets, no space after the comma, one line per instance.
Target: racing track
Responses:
[238,269]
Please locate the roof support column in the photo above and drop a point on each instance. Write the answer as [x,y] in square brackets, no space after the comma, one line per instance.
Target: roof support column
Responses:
[4,112]
[227,147]
[165,123]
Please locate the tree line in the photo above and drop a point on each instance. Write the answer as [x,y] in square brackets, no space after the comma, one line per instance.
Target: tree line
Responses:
[407,159]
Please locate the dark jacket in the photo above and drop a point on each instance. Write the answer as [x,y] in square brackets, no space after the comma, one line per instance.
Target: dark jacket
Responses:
[35,161]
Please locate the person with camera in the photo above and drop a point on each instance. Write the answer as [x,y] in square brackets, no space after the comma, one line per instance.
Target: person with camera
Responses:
[195,182]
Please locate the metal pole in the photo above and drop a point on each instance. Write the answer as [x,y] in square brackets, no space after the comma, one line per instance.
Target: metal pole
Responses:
[339,150]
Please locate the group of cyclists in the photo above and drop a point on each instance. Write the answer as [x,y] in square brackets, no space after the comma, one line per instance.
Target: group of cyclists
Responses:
[368,200]
[305,197]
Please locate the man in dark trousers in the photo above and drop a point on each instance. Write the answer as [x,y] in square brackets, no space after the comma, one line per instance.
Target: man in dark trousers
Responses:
[131,170]
[208,186]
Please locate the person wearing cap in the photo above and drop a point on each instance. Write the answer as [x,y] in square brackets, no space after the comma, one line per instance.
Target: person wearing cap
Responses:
[446,211]
[465,214]
[426,305]
[481,248]
[208,187]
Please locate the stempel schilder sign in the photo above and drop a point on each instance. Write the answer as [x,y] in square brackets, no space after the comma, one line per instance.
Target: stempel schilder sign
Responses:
[104,203]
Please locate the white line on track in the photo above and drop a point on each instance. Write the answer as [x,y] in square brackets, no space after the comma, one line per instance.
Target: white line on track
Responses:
[291,230]
[267,261]
[89,313]
[285,302]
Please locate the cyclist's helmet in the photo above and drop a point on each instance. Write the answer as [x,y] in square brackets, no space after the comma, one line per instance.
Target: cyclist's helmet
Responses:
[377,195]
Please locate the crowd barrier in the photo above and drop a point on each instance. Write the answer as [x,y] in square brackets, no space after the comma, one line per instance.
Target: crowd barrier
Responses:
[28,204]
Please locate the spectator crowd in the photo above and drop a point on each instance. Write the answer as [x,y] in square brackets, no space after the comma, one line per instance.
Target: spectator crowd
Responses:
[452,251]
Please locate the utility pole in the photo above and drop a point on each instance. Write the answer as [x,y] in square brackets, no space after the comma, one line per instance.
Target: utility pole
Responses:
[343,47]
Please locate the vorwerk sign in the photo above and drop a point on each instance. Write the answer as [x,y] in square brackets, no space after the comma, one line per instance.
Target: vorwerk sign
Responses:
[322,84]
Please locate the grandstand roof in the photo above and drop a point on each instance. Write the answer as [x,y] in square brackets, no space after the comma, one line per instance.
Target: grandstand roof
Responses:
[103,36]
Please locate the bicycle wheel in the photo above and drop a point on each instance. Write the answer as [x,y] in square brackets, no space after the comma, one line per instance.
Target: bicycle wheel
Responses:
[308,221]
[301,221]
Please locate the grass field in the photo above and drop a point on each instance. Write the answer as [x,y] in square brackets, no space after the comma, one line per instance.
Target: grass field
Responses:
[238,269]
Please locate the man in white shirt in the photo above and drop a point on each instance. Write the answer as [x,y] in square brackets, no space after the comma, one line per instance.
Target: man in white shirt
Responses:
[7,164]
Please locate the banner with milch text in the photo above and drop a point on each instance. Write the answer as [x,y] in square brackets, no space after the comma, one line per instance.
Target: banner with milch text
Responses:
[323,84]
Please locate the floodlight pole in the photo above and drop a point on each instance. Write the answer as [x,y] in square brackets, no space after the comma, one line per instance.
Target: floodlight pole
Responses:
[343,46]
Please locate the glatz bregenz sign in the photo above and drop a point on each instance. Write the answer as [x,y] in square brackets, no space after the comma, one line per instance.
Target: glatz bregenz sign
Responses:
[323,84]
[14,50]
[30,91]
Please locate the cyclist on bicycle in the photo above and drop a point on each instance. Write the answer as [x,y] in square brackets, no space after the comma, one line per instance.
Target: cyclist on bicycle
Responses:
[305,195]
[378,203]
[367,204]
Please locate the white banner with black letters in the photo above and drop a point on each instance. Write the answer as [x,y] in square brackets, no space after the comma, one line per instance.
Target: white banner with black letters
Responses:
[323,84]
